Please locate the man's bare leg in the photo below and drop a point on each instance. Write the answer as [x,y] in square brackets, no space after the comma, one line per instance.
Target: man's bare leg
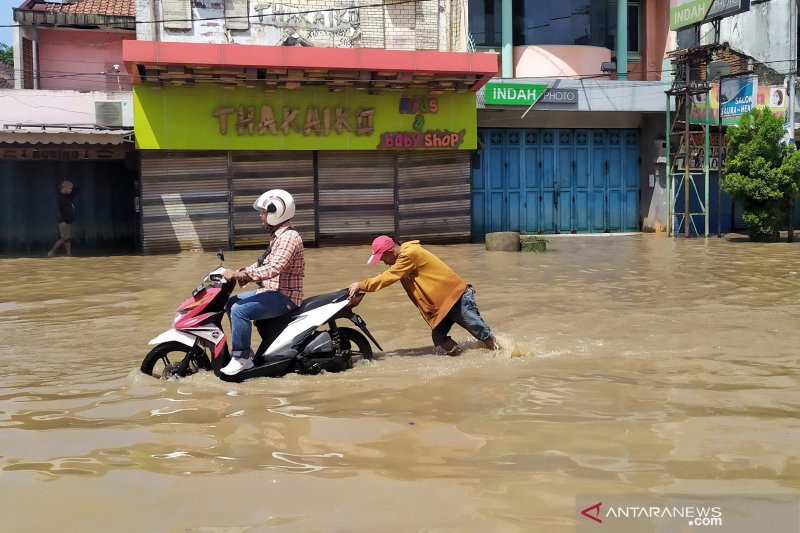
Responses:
[55,247]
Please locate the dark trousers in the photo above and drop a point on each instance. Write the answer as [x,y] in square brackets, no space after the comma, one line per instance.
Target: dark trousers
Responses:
[465,313]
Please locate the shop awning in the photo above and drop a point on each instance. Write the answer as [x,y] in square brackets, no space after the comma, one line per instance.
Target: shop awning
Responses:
[58,134]
[289,67]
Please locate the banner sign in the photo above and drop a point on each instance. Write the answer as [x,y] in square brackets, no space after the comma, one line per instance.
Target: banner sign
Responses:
[513,93]
[773,97]
[737,97]
[209,117]
[685,13]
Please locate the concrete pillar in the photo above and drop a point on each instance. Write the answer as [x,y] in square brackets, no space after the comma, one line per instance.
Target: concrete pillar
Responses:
[507,55]
[502,241]
[622,39]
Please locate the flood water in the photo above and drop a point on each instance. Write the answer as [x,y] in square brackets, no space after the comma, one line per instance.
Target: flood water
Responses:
[632,364]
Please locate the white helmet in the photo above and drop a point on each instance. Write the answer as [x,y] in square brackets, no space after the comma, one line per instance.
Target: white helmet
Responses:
[278,204]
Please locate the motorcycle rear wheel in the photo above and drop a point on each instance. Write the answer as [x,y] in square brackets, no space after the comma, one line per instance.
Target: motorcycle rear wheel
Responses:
[162,361]
[356,342]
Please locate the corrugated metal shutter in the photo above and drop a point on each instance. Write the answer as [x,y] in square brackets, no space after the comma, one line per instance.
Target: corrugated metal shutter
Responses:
[434,196]
[257,172]
[356,196]
[184,201]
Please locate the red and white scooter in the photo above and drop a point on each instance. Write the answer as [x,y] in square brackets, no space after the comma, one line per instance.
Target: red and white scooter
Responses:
[306,340]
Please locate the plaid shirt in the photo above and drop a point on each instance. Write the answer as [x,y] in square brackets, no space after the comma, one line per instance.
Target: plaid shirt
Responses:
[283,268]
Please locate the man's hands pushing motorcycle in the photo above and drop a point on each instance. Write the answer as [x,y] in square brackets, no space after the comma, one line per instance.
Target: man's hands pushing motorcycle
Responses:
[355,295]
[239,276]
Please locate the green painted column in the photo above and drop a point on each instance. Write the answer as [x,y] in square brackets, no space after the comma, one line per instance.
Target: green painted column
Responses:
[622,39]
[507,56]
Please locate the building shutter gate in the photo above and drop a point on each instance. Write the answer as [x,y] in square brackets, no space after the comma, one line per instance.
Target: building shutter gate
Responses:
[184,201]
[255,173]
[434,196]
[356,196]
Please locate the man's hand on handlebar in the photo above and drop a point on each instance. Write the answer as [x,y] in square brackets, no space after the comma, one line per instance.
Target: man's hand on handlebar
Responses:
[354,294]
[239,276]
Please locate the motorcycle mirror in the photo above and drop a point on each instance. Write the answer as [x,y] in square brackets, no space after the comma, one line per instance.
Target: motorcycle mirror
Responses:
[220,255]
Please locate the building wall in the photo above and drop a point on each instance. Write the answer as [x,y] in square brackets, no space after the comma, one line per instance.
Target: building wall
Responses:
[397,24]
[54,107]
[762,33]
[81,60]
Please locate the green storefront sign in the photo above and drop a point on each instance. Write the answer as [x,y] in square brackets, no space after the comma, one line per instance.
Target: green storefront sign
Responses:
[513,93]
[212,118]
[688,13]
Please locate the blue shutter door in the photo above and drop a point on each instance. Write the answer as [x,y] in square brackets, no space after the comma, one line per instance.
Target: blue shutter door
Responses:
[550,181]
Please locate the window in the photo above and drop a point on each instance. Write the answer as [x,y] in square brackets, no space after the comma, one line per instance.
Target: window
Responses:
[485,22]
[579,22]
[634,25]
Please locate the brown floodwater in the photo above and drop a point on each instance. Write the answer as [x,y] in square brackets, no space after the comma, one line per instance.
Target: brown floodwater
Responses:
[632,364]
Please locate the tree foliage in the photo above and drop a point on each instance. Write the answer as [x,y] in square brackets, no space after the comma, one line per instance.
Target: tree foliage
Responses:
[761,172]
[7,54]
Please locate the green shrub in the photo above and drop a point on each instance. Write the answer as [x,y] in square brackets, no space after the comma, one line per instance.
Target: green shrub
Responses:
[761,172]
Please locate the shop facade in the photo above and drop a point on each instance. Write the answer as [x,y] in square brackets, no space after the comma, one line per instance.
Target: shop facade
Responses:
[363,150]
[569,156]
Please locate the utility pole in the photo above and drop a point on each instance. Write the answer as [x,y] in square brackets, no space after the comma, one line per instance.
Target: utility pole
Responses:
[790,107]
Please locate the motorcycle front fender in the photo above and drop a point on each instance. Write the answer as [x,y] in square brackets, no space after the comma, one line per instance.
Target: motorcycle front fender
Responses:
[173,335]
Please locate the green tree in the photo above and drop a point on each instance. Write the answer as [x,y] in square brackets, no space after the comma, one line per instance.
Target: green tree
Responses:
[761,172]
[7,54]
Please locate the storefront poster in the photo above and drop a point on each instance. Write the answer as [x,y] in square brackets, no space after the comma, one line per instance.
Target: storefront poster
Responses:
[770,96]
[213,118]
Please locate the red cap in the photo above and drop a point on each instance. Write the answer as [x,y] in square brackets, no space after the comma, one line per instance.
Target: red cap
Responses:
[380,245]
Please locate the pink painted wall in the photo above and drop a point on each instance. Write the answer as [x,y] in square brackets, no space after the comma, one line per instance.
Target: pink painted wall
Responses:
[655,37]
[547,61]
[76,59]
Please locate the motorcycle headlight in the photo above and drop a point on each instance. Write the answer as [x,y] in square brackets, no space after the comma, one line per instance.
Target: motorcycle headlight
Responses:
[177,317]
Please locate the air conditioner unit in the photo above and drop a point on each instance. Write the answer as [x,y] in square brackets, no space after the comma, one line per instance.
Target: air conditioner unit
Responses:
[113,114]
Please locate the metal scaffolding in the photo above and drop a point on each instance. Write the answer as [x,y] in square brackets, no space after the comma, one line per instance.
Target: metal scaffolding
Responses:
[688,204]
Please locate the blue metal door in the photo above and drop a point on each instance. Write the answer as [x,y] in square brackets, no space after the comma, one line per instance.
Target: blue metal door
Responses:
[556,181]
[549,187]
[565,173]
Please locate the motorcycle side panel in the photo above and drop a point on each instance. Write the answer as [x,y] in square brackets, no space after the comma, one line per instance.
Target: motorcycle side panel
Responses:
[303,323]
[174,335]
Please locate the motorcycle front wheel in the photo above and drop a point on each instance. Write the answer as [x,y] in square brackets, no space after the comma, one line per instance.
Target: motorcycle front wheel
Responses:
[164,360]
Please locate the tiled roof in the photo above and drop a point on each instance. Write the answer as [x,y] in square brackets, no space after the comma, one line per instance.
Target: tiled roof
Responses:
[120,8]
[6,76]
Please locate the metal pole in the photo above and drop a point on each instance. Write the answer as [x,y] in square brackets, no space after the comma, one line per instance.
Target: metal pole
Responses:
[622,39]
[670,222]
[686,175]
[507,57]
[707,128]
[720,143]
[790,107]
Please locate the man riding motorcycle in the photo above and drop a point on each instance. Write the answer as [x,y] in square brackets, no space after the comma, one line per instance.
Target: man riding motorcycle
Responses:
[278,273]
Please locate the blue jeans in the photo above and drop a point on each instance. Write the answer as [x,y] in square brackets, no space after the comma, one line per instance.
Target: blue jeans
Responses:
[465,313]
[253,305]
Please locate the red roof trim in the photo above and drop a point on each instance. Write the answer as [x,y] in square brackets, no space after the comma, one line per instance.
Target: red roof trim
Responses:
[483,65]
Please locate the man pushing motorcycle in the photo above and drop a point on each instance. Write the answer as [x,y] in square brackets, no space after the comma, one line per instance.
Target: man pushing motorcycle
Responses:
[278,274]
[442,296]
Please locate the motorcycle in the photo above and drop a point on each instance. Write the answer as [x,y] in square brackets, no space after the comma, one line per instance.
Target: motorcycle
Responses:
[307,340]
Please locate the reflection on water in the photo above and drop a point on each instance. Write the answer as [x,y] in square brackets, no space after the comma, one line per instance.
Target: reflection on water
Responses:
[631,364]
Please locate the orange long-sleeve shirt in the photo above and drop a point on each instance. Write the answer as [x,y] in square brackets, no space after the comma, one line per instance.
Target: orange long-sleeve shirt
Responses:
[432,285]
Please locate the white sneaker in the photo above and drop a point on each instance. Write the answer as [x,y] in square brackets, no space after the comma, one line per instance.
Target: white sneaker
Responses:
[236,365]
